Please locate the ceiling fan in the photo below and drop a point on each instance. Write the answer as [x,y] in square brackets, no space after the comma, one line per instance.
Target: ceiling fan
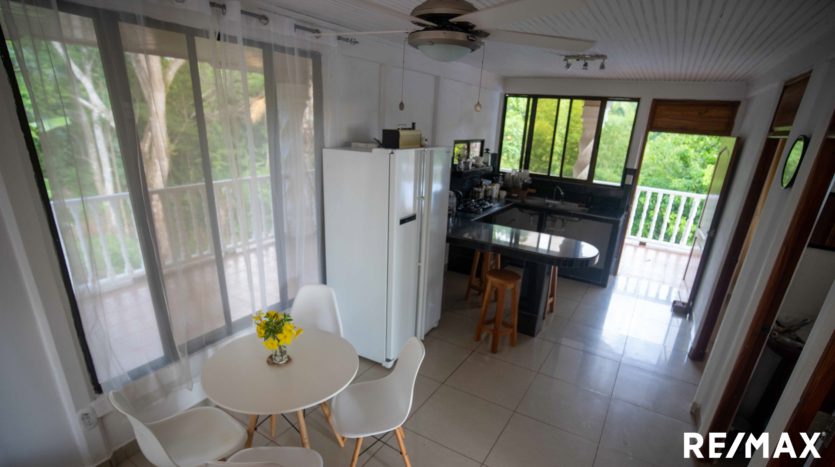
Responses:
[451,29]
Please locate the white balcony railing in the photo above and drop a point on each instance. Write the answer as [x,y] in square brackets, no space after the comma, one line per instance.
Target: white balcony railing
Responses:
[664,218]
[110,222]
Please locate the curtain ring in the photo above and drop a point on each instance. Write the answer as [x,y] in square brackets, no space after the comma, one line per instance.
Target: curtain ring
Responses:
[223,9]
[264,20]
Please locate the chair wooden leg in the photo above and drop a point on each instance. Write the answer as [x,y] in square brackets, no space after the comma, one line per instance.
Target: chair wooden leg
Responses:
[272,426]
[497,323]
[551,296]
[485,303]
[327,412]
[498,261]
[473,272]
[356,452]
[554,271]
[402,433]
[514,312]
[399,433]
[485,266]
[303,429]
[250,431]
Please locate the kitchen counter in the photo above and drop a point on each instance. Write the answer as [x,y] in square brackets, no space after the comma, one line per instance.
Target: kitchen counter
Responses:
[507,203]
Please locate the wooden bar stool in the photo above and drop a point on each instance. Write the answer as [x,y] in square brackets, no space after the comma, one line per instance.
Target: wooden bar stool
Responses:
[500,280]
[552,293]
[479,284]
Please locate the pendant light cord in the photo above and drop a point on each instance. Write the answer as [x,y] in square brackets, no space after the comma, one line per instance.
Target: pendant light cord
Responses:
[480,75]
[403,75]
[483,53]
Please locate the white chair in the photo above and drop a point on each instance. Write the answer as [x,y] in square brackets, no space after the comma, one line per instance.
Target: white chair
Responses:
[315,308]
[188,439]
[272,457]
[379,406]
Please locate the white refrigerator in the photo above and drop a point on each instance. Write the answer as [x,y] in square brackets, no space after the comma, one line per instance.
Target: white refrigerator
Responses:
[385,237]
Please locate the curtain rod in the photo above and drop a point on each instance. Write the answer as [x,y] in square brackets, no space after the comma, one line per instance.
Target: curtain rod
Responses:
[349,40]
[265,20]
[262,18]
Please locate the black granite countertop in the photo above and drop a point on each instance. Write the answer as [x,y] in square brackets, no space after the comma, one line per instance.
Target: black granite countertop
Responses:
[522,244]
[508,203]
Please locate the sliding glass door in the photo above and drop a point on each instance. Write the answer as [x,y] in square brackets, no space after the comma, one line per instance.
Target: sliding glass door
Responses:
[182,183]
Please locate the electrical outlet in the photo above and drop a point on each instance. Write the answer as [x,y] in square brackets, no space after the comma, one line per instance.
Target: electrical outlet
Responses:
[88,418]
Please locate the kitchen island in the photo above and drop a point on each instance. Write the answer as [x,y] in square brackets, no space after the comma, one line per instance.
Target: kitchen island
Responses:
[537,252]
[602,228]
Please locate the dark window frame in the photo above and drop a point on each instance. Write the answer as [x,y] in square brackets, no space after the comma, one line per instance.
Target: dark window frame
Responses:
[106,23]
[528,134]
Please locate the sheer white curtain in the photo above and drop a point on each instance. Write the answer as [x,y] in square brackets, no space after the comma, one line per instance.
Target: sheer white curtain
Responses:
[180,147]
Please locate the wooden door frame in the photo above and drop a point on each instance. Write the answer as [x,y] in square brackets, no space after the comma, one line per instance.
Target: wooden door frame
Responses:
[746,217]
[794,243]
[652,109]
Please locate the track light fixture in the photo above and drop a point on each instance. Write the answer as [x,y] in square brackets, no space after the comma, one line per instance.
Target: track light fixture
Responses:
[585,58]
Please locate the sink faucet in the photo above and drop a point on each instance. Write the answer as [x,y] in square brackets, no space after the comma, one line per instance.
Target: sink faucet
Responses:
[562,193]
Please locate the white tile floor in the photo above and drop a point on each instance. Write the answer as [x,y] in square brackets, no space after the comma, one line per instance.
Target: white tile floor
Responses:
[607,383]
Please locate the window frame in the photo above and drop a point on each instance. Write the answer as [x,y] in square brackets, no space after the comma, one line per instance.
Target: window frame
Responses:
[106,24]
[469,143]
[528,135]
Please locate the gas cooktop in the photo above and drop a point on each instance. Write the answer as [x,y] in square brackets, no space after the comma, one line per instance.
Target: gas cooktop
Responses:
[475,206]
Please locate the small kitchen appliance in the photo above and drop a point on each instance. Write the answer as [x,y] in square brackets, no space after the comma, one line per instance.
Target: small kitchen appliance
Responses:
[402,137]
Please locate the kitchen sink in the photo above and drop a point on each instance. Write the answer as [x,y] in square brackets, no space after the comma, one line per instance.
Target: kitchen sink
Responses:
[556,205]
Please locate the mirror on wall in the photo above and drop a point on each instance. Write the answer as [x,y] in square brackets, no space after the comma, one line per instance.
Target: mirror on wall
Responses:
[796,154]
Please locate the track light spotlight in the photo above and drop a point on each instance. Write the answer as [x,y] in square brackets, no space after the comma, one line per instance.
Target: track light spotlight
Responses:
[585,58]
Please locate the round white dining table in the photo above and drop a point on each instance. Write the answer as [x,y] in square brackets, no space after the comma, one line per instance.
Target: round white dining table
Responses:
[238,378]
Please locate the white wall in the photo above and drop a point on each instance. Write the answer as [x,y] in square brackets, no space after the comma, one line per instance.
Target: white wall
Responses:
[810,285]
[43,380]
[34,428]
[439,97]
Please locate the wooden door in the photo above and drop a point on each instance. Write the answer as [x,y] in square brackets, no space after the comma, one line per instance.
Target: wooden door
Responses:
[709,220]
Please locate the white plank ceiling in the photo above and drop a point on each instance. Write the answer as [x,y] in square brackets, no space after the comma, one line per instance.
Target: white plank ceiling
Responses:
[669,40]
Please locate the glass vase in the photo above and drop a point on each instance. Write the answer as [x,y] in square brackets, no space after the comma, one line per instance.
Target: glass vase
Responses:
[279,356]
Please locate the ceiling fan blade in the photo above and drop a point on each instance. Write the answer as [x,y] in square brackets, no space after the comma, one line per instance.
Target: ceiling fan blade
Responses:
[566,44]
[390,11]
[365,33]
[518,10]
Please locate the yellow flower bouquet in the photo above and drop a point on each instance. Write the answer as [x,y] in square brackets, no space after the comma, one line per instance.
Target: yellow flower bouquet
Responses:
[277,331]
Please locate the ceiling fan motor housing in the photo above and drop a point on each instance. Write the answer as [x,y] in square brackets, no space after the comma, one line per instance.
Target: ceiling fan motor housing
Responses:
[442,11]
[446,33]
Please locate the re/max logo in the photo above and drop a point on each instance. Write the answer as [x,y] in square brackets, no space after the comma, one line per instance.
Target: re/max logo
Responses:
[716,444]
